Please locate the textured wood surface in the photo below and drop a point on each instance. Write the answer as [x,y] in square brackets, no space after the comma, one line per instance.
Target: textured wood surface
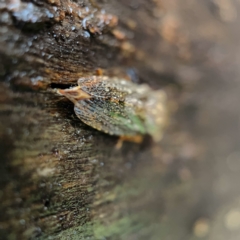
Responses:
[60,179]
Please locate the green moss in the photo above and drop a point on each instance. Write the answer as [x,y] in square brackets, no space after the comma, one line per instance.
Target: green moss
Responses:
[122,227]
[74,233]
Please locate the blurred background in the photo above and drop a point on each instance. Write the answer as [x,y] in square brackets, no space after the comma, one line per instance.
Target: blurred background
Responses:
[60,179]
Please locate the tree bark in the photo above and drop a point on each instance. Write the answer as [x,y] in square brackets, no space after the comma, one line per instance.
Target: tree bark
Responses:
[61,179]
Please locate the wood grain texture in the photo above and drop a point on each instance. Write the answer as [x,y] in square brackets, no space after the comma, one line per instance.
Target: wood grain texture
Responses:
[60,179]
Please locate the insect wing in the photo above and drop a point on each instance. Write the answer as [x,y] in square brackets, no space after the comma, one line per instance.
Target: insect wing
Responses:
[110,117]
[105,87]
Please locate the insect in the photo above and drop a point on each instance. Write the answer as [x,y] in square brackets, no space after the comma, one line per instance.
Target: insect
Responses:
[118,107]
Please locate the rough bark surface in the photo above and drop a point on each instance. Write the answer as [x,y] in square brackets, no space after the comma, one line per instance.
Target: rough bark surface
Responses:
[60,179]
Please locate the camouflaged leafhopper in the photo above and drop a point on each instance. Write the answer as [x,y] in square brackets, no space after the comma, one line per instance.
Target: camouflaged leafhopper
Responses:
[118,107]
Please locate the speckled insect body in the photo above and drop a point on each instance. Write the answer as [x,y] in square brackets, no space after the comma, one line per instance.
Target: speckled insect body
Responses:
[118,107]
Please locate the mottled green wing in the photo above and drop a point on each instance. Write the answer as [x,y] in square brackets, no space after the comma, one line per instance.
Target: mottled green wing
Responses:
[112,117]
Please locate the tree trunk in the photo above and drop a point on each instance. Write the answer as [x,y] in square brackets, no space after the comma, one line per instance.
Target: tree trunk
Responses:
[61,179]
